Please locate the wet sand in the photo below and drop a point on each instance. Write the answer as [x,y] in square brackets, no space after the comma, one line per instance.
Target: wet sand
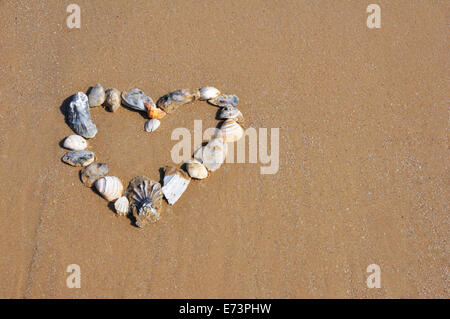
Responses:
[363,176]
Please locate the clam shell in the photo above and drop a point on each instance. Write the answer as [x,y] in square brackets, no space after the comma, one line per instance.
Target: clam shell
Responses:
[196,169]
[213,154]
[152,125]
[225,100]
[231,131]
[93,172]
[176,182]
[122,206]
[75,143]
[154,112]
[78,158]
[113,99]
[170,102]
[79,117]
[135,99]
[110,187]
[230,112]
[97,95]
[208,92]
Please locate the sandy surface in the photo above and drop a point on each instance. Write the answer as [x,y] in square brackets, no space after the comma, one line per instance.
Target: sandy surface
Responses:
[363,178]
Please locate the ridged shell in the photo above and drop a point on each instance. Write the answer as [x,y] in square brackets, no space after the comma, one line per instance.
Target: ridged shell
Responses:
[78,158]
[196,169]
[230,112]
[97,95]
[170,102]
[79,117]
[122,206]
[75,143]
[208,92]
[231,131]
[213,154]
[152,125]
[110,187]
[135,99]
[225,100]
[93,172]
[175,183]
[113,99]
[154,112]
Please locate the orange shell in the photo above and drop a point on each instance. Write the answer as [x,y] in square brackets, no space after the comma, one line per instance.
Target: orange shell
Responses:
[154,112]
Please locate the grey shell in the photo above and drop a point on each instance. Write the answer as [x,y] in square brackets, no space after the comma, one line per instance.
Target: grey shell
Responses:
[79,117]
[94,171]
[135,99]
[225,100]
[97,95]
[78,158]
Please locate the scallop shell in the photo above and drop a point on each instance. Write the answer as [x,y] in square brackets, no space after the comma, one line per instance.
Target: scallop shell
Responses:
[93,172]
[145,197]
[110,187]
[231,131]
[170,102]
[208,92]
[78,158]
[97,95]
[213,154]
[135,99]
[152,125]
[230,112]
[113,99]
[79,117]
[176,182]
[122,206]
[196,169]
[154,112]
[225,100]
[75,143]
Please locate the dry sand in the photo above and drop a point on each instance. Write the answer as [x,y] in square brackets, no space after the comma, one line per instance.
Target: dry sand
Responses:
[363,178]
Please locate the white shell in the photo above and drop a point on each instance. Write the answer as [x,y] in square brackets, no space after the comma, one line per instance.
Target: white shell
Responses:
[196,169]
[174,185]
[208,92]
[75,143]
[110,187]
[213,154]
[231,131]
[152,125]
[122,205]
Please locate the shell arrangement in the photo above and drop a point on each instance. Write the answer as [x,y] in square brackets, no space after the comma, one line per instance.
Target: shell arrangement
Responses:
[143,197]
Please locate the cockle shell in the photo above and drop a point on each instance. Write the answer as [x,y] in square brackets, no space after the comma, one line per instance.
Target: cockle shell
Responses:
[97,95]
[170,102]
[145,197]
[78,158]
[75,143]
[154,112]
[151,125]
[122,206]
[79,118]
[93,172]
[213,154]
[113,99]
[230,112]
[225,100]
[208,92]
[196,169]
[135,99]
[175,183]
[110,187]
[231,131]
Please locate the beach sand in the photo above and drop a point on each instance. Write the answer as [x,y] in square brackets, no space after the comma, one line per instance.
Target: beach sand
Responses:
[363,149]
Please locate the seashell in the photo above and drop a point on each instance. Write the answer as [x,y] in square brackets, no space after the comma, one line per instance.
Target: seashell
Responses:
[230,112]
[208,92]
[110,187]
[90,174]
[79,117]
[231,131]
[196,169]
[113,99]
[175,183]
[225,100]
[152,125]
[122,206]
[170,102]
[135,99]
[97,95]
[78,158]
[145,197]
[213,154]
[154,112]
[75,143]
